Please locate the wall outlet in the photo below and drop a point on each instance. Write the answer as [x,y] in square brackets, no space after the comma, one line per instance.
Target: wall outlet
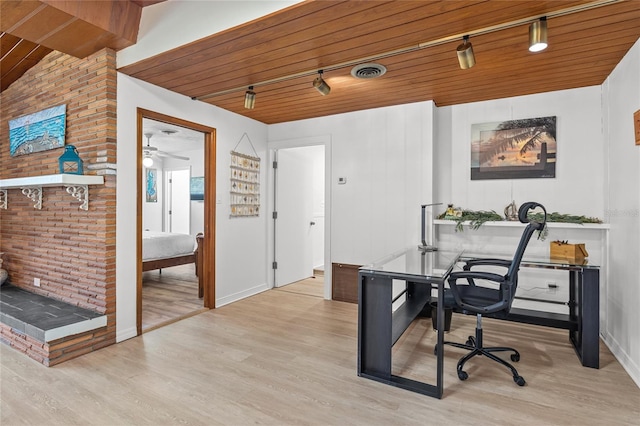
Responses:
[36,282]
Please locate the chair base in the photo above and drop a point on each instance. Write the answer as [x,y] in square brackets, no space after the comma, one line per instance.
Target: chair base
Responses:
[474,345]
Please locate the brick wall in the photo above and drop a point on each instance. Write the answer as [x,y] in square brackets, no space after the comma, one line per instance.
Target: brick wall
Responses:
[72,251]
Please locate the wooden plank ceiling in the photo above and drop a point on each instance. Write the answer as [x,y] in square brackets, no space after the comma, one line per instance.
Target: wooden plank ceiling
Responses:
[292,44]
[29,30]
[280,53]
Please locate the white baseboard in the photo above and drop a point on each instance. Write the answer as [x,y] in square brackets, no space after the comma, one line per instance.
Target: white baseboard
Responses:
[241,295]
[623,358]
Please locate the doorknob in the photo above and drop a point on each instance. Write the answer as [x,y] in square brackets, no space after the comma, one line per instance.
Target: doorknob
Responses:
[312,223]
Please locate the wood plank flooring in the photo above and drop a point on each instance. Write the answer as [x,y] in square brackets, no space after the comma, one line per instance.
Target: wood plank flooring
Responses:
[282,358]
[169,296]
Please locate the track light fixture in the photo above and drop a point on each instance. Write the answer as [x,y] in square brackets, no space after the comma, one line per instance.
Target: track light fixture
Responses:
[538,35]
[466,58]
[321,85]
[250,98]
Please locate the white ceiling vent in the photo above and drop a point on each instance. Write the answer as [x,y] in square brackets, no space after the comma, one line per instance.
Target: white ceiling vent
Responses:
[366,71]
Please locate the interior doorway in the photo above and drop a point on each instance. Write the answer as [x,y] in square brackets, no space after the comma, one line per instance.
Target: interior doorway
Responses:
[201,261]
[299,228]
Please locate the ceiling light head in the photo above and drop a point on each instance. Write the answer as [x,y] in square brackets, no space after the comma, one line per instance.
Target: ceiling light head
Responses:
[466,58]
[169,132]
[250,98]
[538,35]
[321,85]
[147,161]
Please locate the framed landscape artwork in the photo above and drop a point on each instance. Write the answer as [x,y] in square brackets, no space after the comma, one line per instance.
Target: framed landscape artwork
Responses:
[514,149]
[39,131]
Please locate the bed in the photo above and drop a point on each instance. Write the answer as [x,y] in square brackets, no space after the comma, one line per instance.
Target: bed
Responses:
[166,249]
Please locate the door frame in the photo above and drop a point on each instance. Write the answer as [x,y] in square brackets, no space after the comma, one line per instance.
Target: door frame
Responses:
[208,245]
[299,143]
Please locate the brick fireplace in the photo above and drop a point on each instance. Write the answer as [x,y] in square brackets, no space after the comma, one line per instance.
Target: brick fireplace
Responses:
[71,252]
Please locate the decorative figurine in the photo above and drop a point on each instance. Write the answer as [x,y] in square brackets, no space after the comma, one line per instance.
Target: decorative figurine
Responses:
[70,162]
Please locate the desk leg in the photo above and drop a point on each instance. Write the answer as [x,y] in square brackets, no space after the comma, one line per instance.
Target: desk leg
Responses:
[584,308]
[440,354]
[374,327]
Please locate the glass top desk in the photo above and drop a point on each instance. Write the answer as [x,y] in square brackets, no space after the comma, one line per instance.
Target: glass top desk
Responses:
[583,320]
[379,326]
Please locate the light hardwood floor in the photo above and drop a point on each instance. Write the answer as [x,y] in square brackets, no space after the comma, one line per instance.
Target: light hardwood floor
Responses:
[169,296]
[282,358]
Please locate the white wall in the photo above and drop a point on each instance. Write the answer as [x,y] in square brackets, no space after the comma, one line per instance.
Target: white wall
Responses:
[240,243]
[578,185]
[386,156]
[621,98]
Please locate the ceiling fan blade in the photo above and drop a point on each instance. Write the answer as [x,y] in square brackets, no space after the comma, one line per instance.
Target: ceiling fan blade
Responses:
[167,154]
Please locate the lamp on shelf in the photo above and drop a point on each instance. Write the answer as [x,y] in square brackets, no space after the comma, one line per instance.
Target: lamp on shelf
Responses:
[424,246]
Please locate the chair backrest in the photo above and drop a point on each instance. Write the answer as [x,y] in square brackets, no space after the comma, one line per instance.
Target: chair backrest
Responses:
[532,226]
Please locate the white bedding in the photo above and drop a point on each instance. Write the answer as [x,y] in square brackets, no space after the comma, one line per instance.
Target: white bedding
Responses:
[161,245]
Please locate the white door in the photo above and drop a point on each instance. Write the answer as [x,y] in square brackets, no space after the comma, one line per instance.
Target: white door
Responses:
[178,201]
[294,206]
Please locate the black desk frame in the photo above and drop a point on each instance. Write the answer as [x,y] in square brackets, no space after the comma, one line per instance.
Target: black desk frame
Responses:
[583,320]
[379,327]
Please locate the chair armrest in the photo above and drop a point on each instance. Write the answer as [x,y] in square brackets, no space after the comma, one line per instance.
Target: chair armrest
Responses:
[477,275]
[486,262]
[470,277]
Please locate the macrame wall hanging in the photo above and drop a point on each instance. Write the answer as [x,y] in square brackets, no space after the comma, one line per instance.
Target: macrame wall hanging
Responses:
[245,182]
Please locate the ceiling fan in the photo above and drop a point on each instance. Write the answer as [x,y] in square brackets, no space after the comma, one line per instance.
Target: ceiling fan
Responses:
[149,151]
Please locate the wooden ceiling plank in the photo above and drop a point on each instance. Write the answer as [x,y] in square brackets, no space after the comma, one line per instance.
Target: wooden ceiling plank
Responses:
[14,13]
[120,18]
[182,53]
[336,46]
[186,81]
[23,66]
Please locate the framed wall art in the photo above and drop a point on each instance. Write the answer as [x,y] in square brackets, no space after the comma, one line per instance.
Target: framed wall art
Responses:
[514,149]
[196,188]
[152,186]
[39,131]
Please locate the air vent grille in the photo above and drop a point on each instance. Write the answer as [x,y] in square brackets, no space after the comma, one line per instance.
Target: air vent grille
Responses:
[366,71]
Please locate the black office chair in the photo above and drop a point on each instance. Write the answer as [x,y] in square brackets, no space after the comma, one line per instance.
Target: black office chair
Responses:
[470,297]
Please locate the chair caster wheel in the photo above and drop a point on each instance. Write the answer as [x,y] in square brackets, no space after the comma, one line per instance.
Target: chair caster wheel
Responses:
[515,357]
[462,375]
[435,350]
[470,341]
[519,380]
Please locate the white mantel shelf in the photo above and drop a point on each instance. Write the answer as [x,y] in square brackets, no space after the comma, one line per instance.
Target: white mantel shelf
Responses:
[76,185]
[518,224]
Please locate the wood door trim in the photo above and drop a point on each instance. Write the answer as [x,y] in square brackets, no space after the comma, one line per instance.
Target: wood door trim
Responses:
[209,255]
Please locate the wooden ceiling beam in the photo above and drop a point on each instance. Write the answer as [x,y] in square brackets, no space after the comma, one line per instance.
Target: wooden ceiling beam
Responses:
[78,28]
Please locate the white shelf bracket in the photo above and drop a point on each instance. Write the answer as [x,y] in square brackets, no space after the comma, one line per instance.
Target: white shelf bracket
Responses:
[3,199]
[80,193]
[34,193]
